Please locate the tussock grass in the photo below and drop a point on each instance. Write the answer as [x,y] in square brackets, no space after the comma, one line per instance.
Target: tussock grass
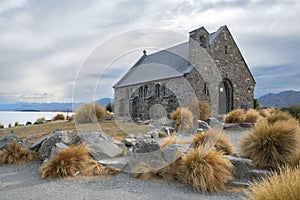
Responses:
[278,115]
[235,116]
[252,116]
[271,145]
[1,126]
[184,118]
[16,124]
[16,154]
[90,113]
[67,163]
[204,110]
[173,140]
[72,160]
[207,170]
[59,116]
[216,139]
[282,185]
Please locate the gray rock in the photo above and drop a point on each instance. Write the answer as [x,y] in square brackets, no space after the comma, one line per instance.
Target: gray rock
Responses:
[146,146]
[6,140]
[152,134]
[120,144]
[242,166]
[58,136]
[36,146]
[171,152]
[258,174]
[39,121]
[214,123]
[130,141]
[203,125]
[56,149]
[166,131]
[118,162]
[101,146]
[28,123]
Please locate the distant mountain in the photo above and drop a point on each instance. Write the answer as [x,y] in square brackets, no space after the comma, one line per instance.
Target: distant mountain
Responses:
[53,107]
[279,100]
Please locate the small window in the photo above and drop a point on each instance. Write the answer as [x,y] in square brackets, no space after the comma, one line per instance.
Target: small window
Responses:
[226,49]
[164,90]
[202,41]
[206,88]
[141,92]
[157,90]
[146,91]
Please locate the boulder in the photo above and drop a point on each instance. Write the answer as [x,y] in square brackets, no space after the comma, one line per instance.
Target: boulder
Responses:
[6,140]
[39,121]
[166,131]
[214,123]
[58,136]
[171,152]
[37,145]
[203,125]
[56,149]
[152,134]
[117,162]
[101,146]
[28,123]
[130,141]
[146,146]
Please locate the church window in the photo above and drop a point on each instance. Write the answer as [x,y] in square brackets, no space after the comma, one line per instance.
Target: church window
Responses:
[157,90]
[206,88]
[146,91]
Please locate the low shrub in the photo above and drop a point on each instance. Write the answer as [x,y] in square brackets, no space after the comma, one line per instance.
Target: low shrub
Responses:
[205,110]
[41,119]
[252,116]
[16,154]
[16,124]
[235,116]
[206,170]
[59,116]
[278,115]
[1,126]
[9,125]
[90,113]
[71,161]
[271,145]
[282,185]
[109,107]
[216,139]
[184,118]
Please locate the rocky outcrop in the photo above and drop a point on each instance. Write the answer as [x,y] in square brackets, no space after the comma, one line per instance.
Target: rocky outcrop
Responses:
[6,140]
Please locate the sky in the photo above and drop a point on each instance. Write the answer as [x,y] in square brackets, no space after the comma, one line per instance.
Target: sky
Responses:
[59,51]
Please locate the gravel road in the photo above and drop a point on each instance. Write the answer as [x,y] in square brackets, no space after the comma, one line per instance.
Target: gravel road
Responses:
[24,182]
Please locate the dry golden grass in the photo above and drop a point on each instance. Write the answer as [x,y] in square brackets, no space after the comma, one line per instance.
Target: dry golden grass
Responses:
[94,168]
[68,162]
[278,115]
[216,139]
[173,140]
[205,110]
[1,126]
[283,185]
[271,145]
[184,118]
[90,112]
[16,154]
[235,116]
[207,170]
[252,116]
[59,116]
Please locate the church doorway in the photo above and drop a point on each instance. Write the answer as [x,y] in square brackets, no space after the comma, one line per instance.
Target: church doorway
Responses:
[225,96]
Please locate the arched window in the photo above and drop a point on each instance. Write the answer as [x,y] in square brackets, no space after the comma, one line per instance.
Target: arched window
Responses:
[141,92]
[146,91]
[164,90]
[157,90]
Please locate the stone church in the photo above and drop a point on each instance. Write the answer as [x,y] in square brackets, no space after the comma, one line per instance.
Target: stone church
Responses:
[208,67]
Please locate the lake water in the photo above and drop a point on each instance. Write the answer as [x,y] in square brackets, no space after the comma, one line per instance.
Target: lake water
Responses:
[7,117]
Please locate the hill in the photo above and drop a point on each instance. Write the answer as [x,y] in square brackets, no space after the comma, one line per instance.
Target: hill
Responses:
[280,100]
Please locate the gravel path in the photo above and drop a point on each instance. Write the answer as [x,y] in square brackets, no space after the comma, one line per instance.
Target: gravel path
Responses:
[23,182]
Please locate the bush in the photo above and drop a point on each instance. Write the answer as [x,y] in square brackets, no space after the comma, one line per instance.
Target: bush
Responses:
[235,116]
[59,116]
[278,115]
[1,126]
[294,110]
[109,107]
[205,110]
[90,113]
[72,160]
[16,124]
[283,185]
[271,145]
[252,116]
[184,118]
[9,125]
[41,119]
[16,154]
[216,139]
[207,170]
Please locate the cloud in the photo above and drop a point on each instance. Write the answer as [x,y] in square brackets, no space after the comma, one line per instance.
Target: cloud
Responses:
[43,44]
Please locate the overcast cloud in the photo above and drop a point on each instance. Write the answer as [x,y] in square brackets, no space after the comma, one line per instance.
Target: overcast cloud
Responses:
[43,43]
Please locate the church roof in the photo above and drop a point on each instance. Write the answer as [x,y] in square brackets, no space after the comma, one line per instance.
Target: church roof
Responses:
[169,63]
